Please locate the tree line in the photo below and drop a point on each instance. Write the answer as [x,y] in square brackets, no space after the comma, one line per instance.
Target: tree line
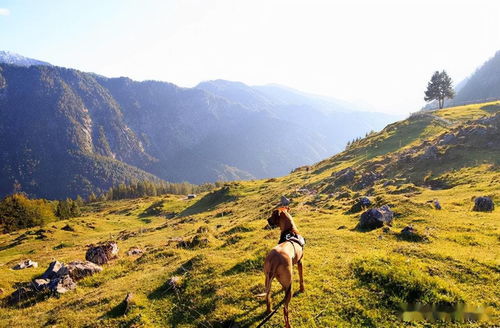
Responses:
[17,211]
[354,141]
[147,188]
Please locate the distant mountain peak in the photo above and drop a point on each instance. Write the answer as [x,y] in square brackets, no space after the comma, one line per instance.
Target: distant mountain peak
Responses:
[8,57]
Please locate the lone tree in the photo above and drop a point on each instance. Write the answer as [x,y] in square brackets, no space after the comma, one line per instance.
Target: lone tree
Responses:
[439,88]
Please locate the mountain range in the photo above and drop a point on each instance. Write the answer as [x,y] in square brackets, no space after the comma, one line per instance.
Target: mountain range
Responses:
[64,132]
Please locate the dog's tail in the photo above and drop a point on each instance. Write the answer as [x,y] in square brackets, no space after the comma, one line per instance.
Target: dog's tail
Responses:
[270,273]
[270,268]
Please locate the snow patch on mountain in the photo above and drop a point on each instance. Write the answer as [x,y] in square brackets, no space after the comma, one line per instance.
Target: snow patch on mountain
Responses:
[7,57]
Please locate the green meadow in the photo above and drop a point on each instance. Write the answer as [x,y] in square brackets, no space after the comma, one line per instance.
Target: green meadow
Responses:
[203,257]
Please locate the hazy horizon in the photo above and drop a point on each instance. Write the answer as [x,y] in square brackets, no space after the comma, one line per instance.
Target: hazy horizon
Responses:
[375,55]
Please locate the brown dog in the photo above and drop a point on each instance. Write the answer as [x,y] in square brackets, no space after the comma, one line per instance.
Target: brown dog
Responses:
[280,260]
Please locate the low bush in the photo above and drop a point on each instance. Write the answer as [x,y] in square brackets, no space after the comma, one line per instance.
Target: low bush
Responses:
[18,211]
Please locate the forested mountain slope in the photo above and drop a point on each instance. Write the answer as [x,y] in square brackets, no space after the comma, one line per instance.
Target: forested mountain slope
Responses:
[64,132]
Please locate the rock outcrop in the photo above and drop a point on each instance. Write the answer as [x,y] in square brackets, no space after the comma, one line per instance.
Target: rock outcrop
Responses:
[57,279]
[344,177]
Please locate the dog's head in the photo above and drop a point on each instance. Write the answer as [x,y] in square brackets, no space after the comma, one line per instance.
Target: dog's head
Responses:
[274,220]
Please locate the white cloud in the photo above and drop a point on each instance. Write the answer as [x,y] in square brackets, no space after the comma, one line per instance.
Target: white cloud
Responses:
[4,12]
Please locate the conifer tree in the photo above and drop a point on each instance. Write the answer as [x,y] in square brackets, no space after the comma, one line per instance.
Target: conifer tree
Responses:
[439,88]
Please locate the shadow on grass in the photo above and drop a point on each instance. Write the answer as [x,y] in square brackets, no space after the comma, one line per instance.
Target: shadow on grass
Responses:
[26,295]
[491,108]
[152,210]
[118,311]
[13,244]
[193,296]
[209,202]
[169,287]
[412,237]
[249,265]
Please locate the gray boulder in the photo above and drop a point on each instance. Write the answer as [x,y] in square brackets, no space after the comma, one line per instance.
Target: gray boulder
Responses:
[375,218]
[78,270]
[483,204]
[62,284]
[52,271]
[102,253]
[430,153]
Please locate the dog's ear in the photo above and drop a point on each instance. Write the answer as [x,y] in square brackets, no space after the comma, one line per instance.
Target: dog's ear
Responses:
[276,215]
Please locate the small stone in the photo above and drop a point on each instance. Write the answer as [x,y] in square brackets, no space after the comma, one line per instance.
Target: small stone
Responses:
[408,230]
[127,303]
[67,227]
[25,264]
[409,233]
[284,201]
[134,251]
[175,282]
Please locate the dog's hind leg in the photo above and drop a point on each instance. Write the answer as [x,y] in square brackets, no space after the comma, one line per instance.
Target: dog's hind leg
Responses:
[301,275]
[285,279]
[269,280]
[288,297]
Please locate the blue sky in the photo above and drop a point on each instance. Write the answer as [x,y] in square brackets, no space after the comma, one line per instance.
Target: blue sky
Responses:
[378,53]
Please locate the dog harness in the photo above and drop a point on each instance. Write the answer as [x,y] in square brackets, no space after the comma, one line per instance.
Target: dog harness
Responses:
[293,238]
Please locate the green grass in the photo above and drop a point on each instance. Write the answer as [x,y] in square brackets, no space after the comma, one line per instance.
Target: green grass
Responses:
[352,279]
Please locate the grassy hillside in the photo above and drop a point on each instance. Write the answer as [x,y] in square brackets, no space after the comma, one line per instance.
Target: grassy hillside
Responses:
[215,244]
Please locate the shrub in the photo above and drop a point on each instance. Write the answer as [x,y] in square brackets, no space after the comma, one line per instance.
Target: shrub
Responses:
[18,212]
